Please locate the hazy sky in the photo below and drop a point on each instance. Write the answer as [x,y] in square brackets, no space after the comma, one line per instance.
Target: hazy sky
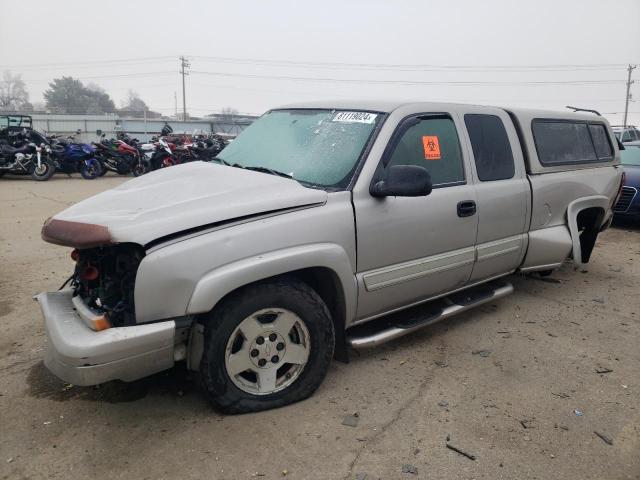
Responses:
[252,55]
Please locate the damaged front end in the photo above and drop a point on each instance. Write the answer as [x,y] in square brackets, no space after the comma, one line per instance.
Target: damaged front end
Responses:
[104,278]
[91,324]
[105,272]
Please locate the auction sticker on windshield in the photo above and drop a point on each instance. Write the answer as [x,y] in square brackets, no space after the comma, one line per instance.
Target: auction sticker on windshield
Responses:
[354,117]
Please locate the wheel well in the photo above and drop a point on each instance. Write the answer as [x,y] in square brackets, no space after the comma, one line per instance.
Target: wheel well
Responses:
[588,222]
[326,284]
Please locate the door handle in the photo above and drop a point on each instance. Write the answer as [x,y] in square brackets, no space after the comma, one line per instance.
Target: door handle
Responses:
[466,208]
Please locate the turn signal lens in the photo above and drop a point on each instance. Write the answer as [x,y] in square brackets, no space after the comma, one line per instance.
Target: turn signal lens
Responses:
[75,255]
[101,323]
[90,273]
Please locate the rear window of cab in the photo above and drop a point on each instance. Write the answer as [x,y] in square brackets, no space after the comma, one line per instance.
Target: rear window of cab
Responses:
[568,142]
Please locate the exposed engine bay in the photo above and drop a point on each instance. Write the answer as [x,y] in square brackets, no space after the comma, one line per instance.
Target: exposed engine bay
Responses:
[105,277]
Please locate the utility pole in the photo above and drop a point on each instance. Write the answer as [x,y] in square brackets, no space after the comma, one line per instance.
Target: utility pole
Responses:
[184,64]
[630,69]
[175,103]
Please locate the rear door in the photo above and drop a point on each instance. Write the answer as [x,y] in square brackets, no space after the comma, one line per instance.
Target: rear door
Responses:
[502,190]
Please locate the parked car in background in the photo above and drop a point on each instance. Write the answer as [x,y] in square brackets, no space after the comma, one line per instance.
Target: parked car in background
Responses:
[310,231]
[626,134]
[628,206]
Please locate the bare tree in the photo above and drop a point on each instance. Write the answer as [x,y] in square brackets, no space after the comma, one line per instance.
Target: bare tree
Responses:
[228,113]
[136,107]
[13,92]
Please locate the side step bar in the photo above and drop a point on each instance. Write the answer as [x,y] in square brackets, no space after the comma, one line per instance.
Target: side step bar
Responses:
[396,325]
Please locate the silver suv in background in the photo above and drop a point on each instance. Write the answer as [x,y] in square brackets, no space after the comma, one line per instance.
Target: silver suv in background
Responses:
[626,134]
[311,231]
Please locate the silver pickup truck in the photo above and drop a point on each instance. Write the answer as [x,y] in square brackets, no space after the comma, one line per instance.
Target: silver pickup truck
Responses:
[311,230]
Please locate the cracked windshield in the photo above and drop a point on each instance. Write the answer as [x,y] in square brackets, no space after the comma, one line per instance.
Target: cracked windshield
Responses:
[317,147]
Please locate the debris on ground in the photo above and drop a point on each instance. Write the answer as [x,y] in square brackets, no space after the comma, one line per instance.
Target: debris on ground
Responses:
[578,413]
[408,468]
[482,353]
[603,370]
[470,456]
[441,364]
[361,476]
[598,300]
[525,423]
[443,403]
[606,439]
[285,472]
[561,394]
[351,420]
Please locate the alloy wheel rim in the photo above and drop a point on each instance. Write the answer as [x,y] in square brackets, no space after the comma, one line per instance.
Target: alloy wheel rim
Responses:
[267,351]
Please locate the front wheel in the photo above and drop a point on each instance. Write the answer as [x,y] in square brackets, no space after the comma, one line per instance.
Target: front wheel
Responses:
[91,169]
[140,168]
[43,172]
[266,346]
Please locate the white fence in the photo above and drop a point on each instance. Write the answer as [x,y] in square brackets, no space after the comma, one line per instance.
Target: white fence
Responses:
[88,128]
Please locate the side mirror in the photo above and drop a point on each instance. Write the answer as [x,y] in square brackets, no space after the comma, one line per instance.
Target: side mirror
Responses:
[403,181]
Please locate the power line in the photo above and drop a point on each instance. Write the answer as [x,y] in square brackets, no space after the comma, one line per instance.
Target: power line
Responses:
[90,63]
[296,63]
[351,96]
[293,63]
[412,82]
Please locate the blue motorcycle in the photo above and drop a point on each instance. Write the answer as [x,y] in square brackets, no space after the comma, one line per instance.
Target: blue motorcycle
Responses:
[75,158]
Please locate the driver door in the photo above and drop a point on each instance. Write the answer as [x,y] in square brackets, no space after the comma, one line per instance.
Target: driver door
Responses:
[414,248]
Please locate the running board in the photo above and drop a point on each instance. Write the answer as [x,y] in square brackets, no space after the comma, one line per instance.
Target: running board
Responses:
[382,330]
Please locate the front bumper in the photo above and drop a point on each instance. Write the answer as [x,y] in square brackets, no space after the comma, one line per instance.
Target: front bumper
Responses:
[82,356]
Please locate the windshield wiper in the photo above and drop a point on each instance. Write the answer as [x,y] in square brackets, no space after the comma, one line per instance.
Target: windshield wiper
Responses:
[269,170]
[222,161]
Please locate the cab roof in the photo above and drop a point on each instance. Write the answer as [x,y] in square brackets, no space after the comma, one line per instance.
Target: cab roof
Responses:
[388,106]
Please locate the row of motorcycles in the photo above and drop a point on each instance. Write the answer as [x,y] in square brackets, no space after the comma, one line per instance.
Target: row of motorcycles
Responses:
[31,153]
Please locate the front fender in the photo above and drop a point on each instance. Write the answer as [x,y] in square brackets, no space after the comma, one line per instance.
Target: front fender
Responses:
[216,284]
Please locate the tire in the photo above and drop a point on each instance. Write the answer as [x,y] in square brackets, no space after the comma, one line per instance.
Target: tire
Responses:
[91,169]
[140,168]
[45,172]
[309,343]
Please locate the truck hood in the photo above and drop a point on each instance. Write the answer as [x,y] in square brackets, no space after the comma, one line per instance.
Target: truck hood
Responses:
[173,200]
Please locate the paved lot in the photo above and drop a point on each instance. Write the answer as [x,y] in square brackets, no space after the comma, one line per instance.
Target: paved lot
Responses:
[514,406]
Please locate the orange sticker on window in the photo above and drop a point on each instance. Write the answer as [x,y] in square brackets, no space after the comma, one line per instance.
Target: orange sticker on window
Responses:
[431,147]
